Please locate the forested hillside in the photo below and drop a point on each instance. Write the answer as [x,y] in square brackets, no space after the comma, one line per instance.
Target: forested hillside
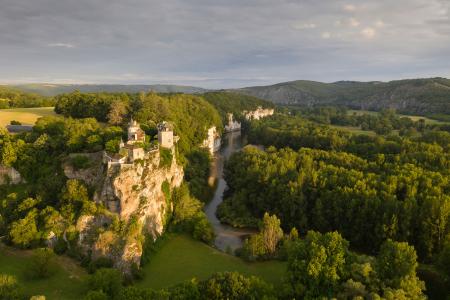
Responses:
[414,96]
[56,89]
[11,98]
[228,102]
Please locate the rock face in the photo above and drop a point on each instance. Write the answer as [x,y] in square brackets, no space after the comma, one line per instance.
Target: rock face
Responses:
[9,175]
[136,195]
[137,190]
[258,113]
[213,140]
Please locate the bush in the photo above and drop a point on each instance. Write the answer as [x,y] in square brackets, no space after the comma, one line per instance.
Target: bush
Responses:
[165,156]
[42,264]
[60,246]
[203,230]
[137,272]
[14,122]
[96,295]
[100,263]
[80,162]
[108,281]
[9,288]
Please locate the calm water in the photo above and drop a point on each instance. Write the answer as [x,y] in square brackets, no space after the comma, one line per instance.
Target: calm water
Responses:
[226,236]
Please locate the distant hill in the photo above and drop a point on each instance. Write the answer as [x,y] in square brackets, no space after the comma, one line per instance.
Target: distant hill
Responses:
[412,96]
[56,89]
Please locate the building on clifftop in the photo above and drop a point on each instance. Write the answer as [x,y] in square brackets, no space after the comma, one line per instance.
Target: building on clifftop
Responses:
[166,138]
[135,133]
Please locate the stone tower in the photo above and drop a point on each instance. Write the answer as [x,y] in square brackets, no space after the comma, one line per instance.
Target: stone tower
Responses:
[165,135]
[135,133]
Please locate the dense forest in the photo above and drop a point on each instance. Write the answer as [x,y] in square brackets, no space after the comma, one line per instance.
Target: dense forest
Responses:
[368,188]
[228,102]
[319,196]
[13,98]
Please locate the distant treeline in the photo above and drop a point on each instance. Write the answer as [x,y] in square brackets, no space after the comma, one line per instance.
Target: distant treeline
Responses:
[12,98]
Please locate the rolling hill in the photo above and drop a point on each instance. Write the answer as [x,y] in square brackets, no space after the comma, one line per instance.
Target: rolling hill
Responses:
[55,89]
[411,96]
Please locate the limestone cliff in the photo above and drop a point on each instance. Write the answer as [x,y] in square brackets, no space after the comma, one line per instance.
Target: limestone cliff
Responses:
[135,194]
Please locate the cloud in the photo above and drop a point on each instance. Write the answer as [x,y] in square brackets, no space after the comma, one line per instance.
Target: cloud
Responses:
[301,26]
[61,45]
[349,7]
[326,35]
[354,22]
[224,43]
[379,23]
[368,32]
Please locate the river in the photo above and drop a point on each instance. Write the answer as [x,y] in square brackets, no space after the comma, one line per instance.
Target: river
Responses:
[227,237]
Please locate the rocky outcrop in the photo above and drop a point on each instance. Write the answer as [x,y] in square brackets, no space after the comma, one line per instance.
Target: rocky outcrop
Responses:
[232,125]
[9,175]
[213,140]
[135,195]
[258,113]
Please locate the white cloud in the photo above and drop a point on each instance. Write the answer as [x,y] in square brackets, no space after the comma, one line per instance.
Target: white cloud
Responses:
[368,32]
[349,7]
[353,22]
[301,26]
[326,35]
[62,45]
[379,24]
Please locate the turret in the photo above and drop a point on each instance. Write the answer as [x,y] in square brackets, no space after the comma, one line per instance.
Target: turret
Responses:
[165,135]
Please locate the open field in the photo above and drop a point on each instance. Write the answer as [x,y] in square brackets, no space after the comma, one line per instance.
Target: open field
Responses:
[182,258]
[24,115]
[355,130]
[69,282]
[414,118]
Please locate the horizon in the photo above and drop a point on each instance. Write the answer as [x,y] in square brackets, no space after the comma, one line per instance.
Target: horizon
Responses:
[201,87]
[224,44]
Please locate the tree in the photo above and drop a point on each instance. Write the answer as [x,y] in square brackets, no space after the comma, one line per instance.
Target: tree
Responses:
[9,288]
[42,263]
[116,113]
[271,232]
[24,231]
[108,281]
[316,265]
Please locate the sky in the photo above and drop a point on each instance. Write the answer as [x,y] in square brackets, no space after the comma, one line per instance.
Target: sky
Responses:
[222,43]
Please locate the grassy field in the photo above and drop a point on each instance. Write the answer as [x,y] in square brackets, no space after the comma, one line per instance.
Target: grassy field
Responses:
[414,118]
[355,130]
[24,115]
[181,258]
[69,282]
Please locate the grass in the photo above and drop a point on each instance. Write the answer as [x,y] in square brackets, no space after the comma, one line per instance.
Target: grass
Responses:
[355,130]
[69,282]
[181,258]
[24,115]
[414,118]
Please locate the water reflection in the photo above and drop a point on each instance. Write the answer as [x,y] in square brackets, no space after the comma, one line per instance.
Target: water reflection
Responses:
[226,236]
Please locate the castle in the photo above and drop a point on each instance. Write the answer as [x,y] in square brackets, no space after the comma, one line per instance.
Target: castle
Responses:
[133,149]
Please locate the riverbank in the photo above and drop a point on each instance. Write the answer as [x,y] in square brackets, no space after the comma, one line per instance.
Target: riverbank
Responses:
[227,237]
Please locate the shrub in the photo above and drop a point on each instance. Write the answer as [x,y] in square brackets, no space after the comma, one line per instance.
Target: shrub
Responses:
[80,162]
[108,281]
[96,295]
[100,263]
[9,288]
[14,122]
[42,264]
[165,157]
